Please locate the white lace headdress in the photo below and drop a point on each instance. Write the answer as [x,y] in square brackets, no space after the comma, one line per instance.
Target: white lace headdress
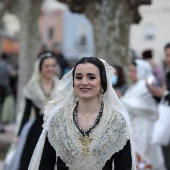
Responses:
[31,90]
[37,76]
[64,96]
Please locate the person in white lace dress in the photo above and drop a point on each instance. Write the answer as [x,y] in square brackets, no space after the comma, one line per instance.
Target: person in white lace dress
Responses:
[85,125]
[40,89]
[142,109]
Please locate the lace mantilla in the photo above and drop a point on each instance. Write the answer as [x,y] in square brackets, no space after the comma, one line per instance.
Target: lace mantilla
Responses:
[109,137]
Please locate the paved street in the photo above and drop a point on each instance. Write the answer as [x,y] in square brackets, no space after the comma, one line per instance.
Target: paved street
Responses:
[6,138]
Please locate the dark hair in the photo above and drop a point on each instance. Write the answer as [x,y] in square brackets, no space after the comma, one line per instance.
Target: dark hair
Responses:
[167,46]
[120,75]
[4,56]
[44,55]
[95,61]
[134,63]
[147,54]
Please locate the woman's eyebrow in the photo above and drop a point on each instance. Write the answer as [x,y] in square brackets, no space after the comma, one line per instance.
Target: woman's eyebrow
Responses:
[91,74]
[87,74]
[78,74]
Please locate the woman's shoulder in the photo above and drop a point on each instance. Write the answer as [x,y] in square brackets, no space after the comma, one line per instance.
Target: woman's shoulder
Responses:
[112,110]
[115,115]
[52,115]
[31,89]
[116,125]
[67,107]
[63,110]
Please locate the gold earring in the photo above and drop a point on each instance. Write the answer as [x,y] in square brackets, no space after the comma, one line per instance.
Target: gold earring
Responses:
[75,98]
[101,94]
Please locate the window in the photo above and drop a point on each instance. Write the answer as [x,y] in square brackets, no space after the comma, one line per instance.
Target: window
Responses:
[149,32]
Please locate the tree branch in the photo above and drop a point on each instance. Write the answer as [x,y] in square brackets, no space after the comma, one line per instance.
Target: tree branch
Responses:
[79,6]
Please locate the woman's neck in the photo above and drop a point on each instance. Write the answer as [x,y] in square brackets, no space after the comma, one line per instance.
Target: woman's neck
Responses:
[46,82]
[88,106]
[47,86]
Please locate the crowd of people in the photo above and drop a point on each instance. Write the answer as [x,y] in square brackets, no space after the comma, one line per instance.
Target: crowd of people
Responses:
[8,76]
[93,116]
[149,83]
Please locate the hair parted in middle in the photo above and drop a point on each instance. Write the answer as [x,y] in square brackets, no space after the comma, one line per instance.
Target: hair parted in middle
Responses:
[44,55]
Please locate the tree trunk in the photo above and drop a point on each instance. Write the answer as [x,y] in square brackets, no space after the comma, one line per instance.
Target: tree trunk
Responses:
[111,22]
[29,42]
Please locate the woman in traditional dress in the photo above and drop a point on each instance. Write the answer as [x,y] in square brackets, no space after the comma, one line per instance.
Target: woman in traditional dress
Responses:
[85,125]
[39,90]
[142,109]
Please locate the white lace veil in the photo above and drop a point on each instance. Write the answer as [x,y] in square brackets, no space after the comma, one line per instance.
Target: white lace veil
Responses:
[64,96]
[144,69]
[28,90]
[36,76]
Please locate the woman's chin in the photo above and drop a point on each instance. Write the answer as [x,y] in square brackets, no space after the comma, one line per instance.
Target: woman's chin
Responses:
[85,97]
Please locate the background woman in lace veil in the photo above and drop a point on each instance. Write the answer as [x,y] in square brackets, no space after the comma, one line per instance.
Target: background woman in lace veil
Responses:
[85,125]
[37,92]
[142,109]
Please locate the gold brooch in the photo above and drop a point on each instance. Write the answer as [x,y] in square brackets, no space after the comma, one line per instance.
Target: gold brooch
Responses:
[85,141]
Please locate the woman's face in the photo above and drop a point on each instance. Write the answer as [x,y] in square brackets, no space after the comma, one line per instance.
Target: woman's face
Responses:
[87,82]
[48,68]
[132,73]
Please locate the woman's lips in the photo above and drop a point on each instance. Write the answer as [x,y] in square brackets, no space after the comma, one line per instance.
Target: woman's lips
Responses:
[85,89]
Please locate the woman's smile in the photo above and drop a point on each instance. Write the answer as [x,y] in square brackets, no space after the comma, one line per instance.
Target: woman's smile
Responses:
[85,89]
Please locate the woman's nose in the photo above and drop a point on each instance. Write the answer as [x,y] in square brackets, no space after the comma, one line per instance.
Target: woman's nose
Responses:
[85,81]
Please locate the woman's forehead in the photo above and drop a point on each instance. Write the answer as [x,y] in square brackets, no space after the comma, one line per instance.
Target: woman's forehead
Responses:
[46,60]
[87,67]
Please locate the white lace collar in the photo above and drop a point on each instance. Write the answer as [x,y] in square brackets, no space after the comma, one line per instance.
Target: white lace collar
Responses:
[34,92]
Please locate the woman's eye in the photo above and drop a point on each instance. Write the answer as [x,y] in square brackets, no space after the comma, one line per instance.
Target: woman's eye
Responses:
[78,77]
[92,77]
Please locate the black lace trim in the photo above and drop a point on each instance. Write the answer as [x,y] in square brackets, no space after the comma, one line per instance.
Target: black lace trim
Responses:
[87,132]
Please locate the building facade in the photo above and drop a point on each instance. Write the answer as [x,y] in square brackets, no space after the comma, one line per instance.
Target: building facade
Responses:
[72,31]
[153,30]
